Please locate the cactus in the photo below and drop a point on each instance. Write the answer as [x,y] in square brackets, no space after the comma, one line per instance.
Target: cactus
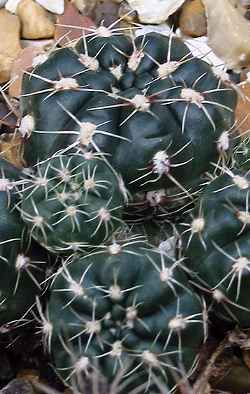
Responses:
[129,308]
[21,262]
[120,134]
[159,114]
[72,202]
[216,241]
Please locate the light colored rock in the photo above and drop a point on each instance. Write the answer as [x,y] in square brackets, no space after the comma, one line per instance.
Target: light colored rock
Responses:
[200,48]
[85,6]
[45,44]
[192,20]
[11,5]
[36,22]
[162,29]
[155,11]
[9,43]
[54,6]
[228,33]
[243,109]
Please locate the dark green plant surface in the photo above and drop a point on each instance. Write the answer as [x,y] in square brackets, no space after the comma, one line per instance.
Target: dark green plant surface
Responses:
[128,307]
[127,235]
[73,202]
[217,245]
[161,114]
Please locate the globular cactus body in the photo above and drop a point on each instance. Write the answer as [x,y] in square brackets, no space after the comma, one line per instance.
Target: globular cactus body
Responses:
[22,264]
[72,202]
[129,308]
[218,248]
[162,115]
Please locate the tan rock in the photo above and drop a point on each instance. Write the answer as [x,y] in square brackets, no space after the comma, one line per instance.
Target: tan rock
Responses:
[228,33]
[20,65]
[36,21]
[155,11]
[85,6]
[242,113]
[9,43]
[65,33]
[192,20]
[11,149]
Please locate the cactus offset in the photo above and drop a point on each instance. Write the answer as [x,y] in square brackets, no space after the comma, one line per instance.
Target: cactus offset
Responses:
[128,307]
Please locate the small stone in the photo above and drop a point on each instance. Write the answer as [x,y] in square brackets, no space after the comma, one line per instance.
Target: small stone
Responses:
[192,20]
[243,109]
[54,6]
[18,386]
[11,5]
[9,44]
[2,3]
[20,65]
[85,6]
[155,11]
[44,44]
[36,22]
[11,149]
[71,17]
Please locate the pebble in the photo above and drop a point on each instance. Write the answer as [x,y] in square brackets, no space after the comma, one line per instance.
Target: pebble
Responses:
[155,11]
[11,148]
[85,6]
[11,5]
[243,109]
[18,386]
[228,36]
[192,20]
[45,44]
[9,46]
[36,21]
[71,17]
[54,6]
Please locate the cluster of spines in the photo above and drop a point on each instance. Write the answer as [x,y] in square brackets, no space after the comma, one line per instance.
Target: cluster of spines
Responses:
[162,163]
[155,356]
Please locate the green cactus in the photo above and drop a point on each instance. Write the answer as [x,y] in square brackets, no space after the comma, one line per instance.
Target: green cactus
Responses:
[22,262]
[129,308]
[159,114]
[216,241]
[72,202]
